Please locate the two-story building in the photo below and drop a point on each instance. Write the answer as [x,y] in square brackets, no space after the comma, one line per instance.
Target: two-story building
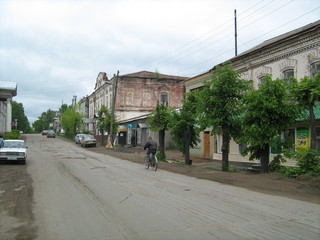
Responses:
[295,53]
[132,97]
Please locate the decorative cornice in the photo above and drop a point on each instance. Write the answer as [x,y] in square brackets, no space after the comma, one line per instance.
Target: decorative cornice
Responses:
[275,53]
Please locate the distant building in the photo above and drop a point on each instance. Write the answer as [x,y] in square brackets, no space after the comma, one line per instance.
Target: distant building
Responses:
[7,91]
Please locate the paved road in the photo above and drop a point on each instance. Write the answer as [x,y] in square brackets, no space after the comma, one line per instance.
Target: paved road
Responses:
[83,195]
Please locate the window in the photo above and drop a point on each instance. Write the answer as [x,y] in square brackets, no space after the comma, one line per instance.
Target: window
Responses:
[314,68]
[242,148]
[289,139]
[287,74]
[164,99]
[261,80]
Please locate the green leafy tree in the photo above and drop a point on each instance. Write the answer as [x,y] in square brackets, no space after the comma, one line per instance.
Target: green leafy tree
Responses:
[307,93]
[268,111]
[104,121]
[22,120]
[44,121]
[71,121]
[220,106]
[158,121]
[183,126]
[63,108]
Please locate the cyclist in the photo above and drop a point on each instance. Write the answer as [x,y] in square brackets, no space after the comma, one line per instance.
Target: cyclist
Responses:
[151,146]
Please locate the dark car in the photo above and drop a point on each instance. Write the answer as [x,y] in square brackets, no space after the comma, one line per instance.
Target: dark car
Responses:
[44,132]
[88,140]
[51,134]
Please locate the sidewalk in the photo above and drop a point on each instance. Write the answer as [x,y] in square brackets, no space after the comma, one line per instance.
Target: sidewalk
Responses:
[174,156]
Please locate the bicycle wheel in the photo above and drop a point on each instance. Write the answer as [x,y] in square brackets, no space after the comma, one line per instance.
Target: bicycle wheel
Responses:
[146,162]
[154,163]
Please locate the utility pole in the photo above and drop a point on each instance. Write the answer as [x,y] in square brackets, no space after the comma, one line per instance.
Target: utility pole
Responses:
[235,32]
[114,97]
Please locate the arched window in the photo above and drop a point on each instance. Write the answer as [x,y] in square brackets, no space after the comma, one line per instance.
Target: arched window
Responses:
[314,68]
[287,74]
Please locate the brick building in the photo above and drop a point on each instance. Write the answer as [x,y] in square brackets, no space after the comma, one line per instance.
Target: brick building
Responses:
[136,95]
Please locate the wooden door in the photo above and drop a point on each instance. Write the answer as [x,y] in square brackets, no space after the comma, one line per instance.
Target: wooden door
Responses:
[206,144]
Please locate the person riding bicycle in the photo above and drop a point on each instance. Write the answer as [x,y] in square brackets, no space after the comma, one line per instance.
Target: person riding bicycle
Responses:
[151,146]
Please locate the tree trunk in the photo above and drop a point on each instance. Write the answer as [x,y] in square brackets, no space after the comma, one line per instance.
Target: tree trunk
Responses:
[161,143]
[313,132]
[265,155]
[225,149]
[187,149]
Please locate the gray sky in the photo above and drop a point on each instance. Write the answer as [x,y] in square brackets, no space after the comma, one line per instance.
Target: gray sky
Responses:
[54,49]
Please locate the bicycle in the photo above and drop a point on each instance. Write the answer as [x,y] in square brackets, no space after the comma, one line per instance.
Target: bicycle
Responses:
[151,161]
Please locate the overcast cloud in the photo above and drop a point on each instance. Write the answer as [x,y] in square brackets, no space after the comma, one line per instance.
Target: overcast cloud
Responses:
[55,49]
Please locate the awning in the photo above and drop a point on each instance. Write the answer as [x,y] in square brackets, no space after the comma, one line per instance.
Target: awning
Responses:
[122,128]
[142,125]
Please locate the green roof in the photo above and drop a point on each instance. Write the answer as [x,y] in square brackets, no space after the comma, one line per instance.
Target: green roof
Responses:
[305,113]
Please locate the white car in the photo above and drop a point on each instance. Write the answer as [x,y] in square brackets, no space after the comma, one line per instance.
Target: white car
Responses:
[88,140]
[13,150]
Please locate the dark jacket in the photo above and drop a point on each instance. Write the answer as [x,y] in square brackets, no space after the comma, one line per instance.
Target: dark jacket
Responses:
[151,146]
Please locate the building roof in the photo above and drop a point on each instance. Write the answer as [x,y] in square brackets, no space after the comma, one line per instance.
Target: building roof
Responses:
[153,75]
[8,89]
[281,38]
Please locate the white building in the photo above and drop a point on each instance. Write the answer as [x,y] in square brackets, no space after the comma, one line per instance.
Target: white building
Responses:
[7,91]
[295,53]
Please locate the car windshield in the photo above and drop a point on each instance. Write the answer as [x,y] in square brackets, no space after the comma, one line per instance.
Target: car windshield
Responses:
[13,144]
[89,136]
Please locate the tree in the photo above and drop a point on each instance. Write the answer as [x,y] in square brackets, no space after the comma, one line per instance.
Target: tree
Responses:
[307,93]
[104,121]
[158,121]
[220,106]
[43,122]
[71,121]
[268,111]
[183,126]
[22,120]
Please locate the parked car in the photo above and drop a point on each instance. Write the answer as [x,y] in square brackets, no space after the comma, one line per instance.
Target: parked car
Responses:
[51,134]
[78,137]
[44,132]
[13,150]
[88,140]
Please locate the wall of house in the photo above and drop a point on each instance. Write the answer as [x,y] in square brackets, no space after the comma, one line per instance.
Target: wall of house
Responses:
[138,96]
[297,53]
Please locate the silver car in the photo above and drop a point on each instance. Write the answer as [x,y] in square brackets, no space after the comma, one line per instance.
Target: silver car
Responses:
[13,150]
[78,137]
[88,140]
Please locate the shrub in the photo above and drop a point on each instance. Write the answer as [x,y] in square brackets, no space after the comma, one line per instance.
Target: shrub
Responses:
[308,163]
[275,165]
[11,135]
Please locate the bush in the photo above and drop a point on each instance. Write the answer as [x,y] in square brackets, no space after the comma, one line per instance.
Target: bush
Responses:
[308,163]
[275,165]
[11,135]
